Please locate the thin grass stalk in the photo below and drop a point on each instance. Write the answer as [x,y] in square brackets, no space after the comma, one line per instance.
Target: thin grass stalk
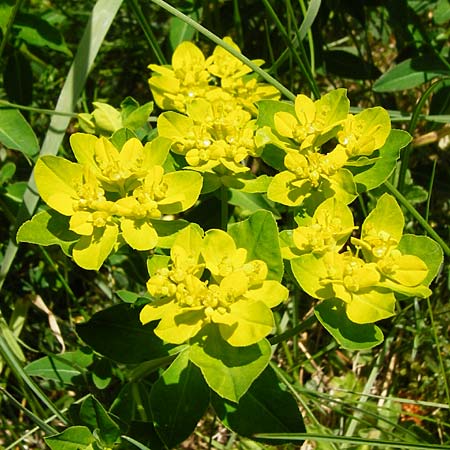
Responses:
[99,22]
[148,33]
[21,375]
[439,352]
[214,38]
[312,57]
[424,224]
[412,126]
[304,70]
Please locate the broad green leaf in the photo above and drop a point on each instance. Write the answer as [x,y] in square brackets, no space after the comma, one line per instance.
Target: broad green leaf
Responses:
[57,179]
[158,150]
[48,228]
[387,217]
[90,252]
[117,333]
[429,251]
[16,133]
[72,438]
[331,314]
[120,136]
[93,415]
[265,408]
[259,236]
[372,177]
[35,30]
[139,117]
[229,370]
[62,368]
[83,147]
[178,400]
[410,73]
[442,12]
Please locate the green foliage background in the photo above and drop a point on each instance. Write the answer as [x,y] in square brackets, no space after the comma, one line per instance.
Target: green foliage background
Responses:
[393,54]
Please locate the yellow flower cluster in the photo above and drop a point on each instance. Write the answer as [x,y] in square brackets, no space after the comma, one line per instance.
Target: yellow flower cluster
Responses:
[219,77]
[237,298]
[111,192]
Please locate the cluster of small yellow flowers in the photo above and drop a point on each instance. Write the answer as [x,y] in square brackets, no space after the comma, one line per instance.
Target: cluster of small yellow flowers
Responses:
[311,172]
[214,137]
[365,279]
[237,298]
[218,77]
[111,192]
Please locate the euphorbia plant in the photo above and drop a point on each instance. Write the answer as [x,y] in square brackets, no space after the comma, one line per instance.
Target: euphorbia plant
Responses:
[209,308]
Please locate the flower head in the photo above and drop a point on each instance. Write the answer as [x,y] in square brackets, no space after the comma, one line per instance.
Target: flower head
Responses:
[237,297]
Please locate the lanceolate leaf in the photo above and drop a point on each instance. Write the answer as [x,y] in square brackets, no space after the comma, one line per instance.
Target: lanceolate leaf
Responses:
[178,400]
[410,73]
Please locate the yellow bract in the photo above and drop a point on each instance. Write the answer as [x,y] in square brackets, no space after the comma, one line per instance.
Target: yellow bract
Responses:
[110,190]
[237,297]
[191,77]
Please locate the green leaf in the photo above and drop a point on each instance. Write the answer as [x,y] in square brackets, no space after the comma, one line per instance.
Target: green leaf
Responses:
[36,31]
[442,12]
[331,314]
[429,251]
[48,228]
[120,136]
[178,400]
[93,414]
[410,73]
[266,408]
[16,133]
[180,31]
[72,438]
[7,171]
[62,368]
[117,333]
[267,110]
[167,230]
[139,117]
[372,177]
[251,203]
[259,236]
[229,370]
[6,8]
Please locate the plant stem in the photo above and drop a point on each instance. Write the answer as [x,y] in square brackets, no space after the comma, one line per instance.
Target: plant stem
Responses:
[9,25]
[36,110]
[425,225]
[223,207]
[214,38]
